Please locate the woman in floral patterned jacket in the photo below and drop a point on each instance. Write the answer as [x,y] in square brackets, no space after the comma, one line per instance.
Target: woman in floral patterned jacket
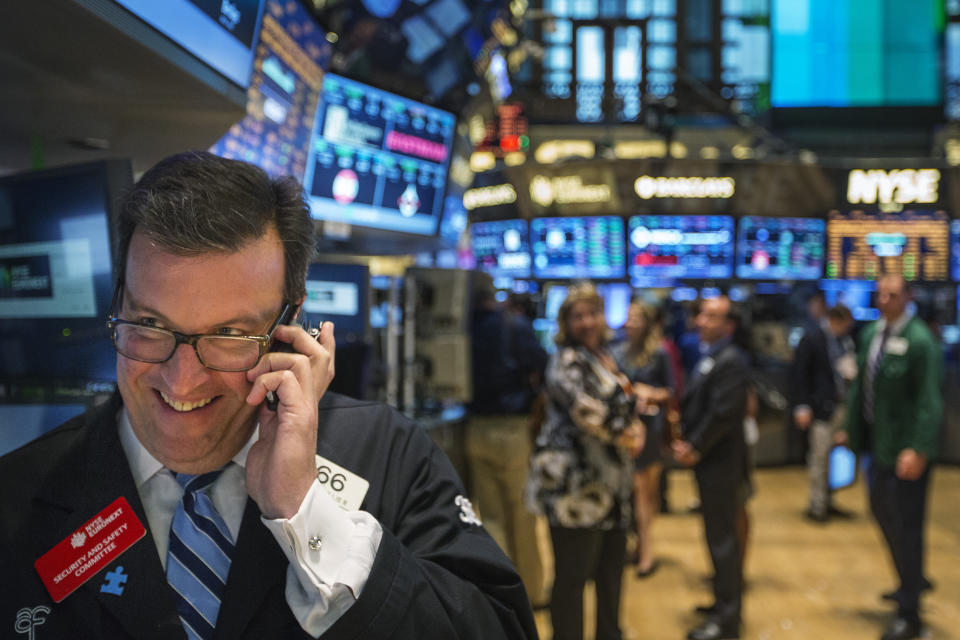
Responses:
[581,469]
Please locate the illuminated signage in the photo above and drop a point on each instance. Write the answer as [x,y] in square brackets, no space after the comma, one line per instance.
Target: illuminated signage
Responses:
[648,187]
[900,186]
[566,190]
[554,150]
[489,196]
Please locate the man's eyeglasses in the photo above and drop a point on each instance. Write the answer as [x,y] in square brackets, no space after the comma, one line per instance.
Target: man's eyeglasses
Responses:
[145,343]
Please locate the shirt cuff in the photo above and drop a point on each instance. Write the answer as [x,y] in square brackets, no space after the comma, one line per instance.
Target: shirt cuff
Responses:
[331,553]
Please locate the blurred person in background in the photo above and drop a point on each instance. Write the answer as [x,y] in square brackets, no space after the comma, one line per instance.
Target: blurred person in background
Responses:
[818,387]
[581,472]
[646,364]
[714,407]
[894,413]
[508,365]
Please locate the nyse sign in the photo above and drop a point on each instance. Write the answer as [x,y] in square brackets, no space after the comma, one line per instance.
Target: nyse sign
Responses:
[898,186]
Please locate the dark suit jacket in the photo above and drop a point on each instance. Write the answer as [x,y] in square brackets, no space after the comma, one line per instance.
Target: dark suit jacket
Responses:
[812,381]
[715,402]
[434,576]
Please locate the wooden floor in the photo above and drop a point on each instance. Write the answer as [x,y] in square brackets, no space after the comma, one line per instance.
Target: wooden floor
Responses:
[804,581]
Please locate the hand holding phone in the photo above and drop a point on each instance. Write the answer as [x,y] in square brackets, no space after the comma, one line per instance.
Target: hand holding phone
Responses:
[286,347]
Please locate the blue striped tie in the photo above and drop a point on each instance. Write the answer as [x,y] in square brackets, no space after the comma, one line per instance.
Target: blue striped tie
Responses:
[198,558]
[871,377]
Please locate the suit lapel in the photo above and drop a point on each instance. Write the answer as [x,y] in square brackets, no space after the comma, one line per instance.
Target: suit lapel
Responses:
[79,489]
[258,566]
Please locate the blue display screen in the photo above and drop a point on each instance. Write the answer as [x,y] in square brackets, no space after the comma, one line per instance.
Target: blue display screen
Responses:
[338,293]
[221,33]
[856,295]
[377,160]
[665,247]
[955,249]
[856,53]
[780,248]
[578,247]
[502,248]
[56,272]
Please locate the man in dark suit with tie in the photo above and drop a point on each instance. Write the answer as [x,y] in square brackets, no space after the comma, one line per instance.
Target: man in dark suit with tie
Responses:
[894,411]
[270,507]
[714,406]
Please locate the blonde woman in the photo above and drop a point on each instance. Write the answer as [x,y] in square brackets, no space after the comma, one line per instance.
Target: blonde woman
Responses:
[581,470]
[642,358]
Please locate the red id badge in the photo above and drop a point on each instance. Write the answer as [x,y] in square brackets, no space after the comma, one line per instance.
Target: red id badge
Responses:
[89,549]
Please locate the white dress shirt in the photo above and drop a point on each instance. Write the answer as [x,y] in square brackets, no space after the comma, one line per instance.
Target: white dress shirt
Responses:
[895,328]
[321,584]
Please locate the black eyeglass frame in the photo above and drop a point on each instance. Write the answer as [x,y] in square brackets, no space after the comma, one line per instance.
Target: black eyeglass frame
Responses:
[264,341]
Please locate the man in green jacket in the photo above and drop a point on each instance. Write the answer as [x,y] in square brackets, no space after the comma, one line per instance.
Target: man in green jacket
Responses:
[894,411]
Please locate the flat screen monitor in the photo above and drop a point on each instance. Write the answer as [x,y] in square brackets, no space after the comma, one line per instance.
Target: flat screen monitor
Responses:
[221,33]
[502,247]
[339,293]
[285,89]
[851,53]
[668,247]
[856,295]
[378,160]
[955,249]
[780,248]
[578,247]
[864,245]
[56,279]
[616,302]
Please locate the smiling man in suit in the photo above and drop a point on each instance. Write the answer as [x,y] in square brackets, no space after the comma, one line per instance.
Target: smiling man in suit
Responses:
[894,411]
[714,406]
[316,516]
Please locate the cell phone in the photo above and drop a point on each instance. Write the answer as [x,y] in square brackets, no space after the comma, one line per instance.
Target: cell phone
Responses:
[285,347]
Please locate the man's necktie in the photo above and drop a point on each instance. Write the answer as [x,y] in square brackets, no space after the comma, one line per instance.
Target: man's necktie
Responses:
[198,558]
[874,366]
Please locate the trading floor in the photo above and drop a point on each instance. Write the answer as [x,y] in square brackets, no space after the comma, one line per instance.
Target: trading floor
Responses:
[805,581]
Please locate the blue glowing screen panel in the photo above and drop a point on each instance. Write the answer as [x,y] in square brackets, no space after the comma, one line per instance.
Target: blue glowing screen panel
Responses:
[378,160]
[338,293]
[284,92]
[856,53]
[578,247]
[616,302]
[955,249]
[221,33]
[864,245]
[502,248]
[780,248]
[665,247]
[856,295]
[56,272]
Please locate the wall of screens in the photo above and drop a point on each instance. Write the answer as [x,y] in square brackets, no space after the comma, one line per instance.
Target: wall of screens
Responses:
[377,159]
[780,248]
[502,248]
[578,247]
[680,246]
[864,245]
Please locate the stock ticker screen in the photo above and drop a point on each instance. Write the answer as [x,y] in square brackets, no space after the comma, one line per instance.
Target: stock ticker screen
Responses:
[780,248]
[378,160]
[864,245]
[502,247]
[578,247]
[955,249]
[680,247]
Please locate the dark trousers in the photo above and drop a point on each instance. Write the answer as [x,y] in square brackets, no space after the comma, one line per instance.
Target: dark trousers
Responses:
[581,555]
[900,509]
[719,480]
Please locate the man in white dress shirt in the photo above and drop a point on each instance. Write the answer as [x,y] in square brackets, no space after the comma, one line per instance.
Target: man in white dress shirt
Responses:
[346,521]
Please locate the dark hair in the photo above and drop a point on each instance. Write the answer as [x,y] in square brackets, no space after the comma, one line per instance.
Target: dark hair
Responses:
[818,297]
[195,202]
[839,312]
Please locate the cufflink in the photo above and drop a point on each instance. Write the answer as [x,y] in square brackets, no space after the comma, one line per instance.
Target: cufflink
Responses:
[315,543]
